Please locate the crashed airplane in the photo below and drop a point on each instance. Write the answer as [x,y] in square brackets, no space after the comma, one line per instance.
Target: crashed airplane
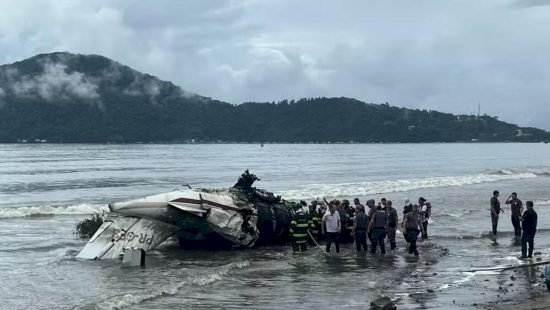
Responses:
[241,216]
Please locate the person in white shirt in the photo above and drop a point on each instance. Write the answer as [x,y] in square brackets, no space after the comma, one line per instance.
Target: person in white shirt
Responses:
[331,219]
[424,208]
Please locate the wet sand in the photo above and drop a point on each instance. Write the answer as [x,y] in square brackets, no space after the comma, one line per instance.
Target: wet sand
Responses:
[520,288]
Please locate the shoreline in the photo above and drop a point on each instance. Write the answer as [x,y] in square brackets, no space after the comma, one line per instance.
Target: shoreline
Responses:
[269,143]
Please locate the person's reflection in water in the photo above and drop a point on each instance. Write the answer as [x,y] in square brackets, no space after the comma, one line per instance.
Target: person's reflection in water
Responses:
[495,242]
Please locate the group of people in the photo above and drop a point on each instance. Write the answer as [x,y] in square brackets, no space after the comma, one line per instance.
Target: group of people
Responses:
[340,222]
[523,221]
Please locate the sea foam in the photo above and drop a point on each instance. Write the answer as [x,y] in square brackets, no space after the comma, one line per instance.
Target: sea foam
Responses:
[80,209]
[312,191]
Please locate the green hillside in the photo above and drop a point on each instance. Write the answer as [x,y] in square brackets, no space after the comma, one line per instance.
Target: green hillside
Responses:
[62,97]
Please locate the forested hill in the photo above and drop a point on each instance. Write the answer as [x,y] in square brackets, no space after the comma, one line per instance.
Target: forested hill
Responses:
[63,97]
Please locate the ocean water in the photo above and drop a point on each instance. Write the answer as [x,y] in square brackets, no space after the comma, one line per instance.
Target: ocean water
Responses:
[45,189]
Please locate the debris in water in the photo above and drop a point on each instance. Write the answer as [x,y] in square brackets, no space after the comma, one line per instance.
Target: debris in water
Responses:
[383,303]
[86,228]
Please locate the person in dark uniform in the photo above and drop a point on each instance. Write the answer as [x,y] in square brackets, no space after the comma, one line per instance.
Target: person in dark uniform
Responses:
[411,228]
[369,211]
[298,230]
[350,212]
[322,210]
[356,206]
[392,219]
[516,207]
[357,203]
[407,208]
[314,221]
[343,221]
[529,226]
[378,227]
[359,229]
[383,203]
[495,211]
[344,233]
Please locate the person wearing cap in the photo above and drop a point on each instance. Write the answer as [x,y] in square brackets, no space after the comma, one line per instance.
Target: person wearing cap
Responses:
[411,228]
[495,211]
[298,229]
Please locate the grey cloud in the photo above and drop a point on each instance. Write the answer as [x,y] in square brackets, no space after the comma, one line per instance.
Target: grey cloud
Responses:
[150,88]
[55,84]
[529,3]
[443,55]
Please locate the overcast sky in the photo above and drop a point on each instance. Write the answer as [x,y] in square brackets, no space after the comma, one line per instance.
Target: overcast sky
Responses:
[430,54]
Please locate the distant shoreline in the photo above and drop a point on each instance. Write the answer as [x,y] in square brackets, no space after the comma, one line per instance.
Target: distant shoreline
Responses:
[271,143]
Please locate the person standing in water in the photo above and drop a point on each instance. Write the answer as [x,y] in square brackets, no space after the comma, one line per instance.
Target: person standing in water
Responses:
[383,203]
[411,228]
[331,219]
[357,203]
[423,210]
[529,226]
[495,211]
[359,229]
[378,227]
[314,222]
[516,207]
[392,219]
[407,208]
[347,224]
[298,229]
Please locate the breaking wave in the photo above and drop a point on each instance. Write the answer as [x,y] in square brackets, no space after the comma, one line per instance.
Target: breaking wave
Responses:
[539,171]
[121,301]
[541,202]
[480,234]
[81,209]
[312,191]
[457,214]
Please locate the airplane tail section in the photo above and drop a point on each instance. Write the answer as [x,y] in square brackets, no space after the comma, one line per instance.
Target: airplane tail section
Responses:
[119,232]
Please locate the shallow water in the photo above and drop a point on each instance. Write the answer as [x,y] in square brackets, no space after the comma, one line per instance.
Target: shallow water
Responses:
[45,189]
